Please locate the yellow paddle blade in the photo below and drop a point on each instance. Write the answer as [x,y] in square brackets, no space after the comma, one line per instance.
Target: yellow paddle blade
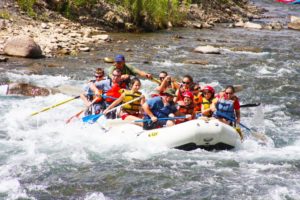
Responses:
[53,106]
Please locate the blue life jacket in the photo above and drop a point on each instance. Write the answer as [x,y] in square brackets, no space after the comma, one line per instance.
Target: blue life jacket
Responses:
[225,107]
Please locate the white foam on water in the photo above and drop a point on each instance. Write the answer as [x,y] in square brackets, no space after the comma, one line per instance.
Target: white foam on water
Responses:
[45,140]
[167,64]
[12,187]
[40,80]
[228,51]
[96,196]
[279,193]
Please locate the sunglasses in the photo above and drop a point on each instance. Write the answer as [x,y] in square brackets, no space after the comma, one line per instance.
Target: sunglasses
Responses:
[196,89]
[99,76]
[116,75]
[185,82]
[229,93]
[162,78]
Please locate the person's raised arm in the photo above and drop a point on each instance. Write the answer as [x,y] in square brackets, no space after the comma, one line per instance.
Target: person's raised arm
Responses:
[116,102]
[164,84]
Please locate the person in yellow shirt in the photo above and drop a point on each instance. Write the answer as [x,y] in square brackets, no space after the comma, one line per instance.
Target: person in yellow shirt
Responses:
[208,98]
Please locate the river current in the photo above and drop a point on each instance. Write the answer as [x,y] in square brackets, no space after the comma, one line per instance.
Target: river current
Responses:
[42,157]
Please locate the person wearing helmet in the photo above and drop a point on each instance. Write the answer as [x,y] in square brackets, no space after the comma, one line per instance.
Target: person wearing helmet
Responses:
[186,85]
[208,98]
[126,70]
[186,107]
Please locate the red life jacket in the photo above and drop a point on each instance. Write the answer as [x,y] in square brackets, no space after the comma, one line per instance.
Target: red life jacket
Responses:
[115,92]
[184,110]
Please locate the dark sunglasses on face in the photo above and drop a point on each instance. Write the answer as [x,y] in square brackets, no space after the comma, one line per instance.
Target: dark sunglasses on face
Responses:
[162,78]
[229,93]
[116,75]
[185,82]
[99,76]
[195,89]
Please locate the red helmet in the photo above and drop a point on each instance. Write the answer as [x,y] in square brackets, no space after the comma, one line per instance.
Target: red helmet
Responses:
[209,88]
[188,94]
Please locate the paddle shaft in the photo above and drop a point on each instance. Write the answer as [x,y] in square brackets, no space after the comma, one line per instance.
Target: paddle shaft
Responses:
[79,113]
[156,80]
[95,117]
[250,105]
[161,119]
[50,107]
[233,120]
[133,100]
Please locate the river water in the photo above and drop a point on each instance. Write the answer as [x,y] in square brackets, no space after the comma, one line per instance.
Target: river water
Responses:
[43,158]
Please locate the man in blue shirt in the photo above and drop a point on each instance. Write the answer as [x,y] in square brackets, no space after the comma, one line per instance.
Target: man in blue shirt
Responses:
[159,107]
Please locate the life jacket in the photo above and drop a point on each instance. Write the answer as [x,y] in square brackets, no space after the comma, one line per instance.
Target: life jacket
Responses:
[124,84]
[206,103]
[197,102]
[185,109]
[225,107]
[134,106]
[114,91]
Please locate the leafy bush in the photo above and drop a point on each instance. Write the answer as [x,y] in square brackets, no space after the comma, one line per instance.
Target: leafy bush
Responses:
[156,12]
[27,6]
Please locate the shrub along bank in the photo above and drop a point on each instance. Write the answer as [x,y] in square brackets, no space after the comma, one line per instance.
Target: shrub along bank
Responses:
[133,15]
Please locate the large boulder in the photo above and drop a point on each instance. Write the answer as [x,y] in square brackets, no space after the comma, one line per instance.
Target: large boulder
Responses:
[294,25]
[252,25]
[207,49]
[26,89]
[22,46]
[294,18]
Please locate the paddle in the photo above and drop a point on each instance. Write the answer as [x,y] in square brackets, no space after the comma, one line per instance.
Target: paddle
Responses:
[161,119]
[155,80]
[119,121]
[258,136]
[94,118]
[58,104]
[250,105]
[83,110]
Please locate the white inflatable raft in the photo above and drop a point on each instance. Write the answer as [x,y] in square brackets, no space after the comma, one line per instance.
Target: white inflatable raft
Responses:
[207,134]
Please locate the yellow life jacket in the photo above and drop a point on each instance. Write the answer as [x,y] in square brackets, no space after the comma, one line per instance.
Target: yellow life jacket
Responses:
[134,106]
[206,103]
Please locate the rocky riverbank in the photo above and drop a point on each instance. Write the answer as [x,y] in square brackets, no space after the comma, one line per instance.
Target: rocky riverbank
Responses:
[59,36]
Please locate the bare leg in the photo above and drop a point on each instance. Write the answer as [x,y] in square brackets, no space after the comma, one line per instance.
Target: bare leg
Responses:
[133,118]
